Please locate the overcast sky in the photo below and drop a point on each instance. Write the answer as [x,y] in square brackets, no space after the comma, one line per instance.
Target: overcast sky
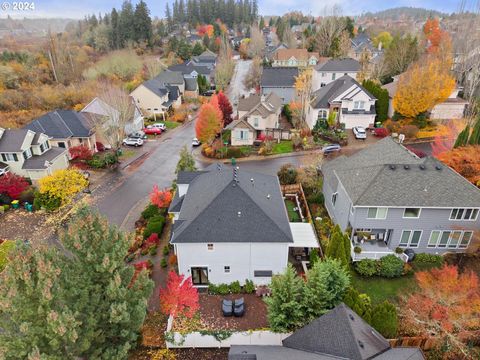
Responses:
[79,8]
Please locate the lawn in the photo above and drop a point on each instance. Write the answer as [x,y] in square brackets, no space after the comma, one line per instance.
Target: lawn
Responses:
[171,124]
[292,214]
[283,147]
[380,289]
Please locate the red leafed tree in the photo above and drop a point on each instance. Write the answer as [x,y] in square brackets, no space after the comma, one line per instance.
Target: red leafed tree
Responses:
[225,108]
[160,198]
[446,306]
[179,297]
[203,30]
[208,123]
[80,152]
[13,185]
[464,160]
[434,34]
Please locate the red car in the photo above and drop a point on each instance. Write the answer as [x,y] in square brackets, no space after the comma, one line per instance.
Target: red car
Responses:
[152,130]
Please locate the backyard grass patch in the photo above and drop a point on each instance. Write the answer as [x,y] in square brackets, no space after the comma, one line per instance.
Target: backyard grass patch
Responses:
[293,215]
[282,147]
[171,124]
[380,289]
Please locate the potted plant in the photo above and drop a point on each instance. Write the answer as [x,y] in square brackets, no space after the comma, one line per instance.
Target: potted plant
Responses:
[357,249]
[398,250]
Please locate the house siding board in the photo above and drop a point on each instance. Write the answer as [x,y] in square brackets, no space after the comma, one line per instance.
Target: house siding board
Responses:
[430,219]
[243,259]
[340,212]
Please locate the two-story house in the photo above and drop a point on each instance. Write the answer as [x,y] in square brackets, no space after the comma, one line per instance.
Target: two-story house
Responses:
[351,103]
[256,114]
[294,58]
[333,69]
[160,94]
[388,198]
[66,129]
[30,154]
[281,81]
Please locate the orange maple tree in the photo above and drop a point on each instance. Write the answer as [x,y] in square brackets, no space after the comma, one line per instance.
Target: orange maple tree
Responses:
[464,160]
[446,306]
[209,122]
[179,297]
[203,30]
[434,35]
[160,198]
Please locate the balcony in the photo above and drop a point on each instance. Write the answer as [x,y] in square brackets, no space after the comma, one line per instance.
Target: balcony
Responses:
[373,245]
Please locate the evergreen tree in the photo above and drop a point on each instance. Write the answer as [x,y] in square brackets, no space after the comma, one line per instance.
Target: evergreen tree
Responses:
[203,84]
[385,319]
[261,24]
[184,50]
[360,303]
[197,49]
[381,105]
[336,247]
[142,23]
[113,37]
[475,136]
[168,16]
[79,302]
[270,22]
[126,23]
[284,310]
[186,162]
[462,139]
[327,282]
[181,12]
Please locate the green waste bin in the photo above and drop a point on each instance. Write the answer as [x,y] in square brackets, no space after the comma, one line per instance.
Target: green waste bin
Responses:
[15,204]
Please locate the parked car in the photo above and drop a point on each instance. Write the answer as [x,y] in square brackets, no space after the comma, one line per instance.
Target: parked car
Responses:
[160,126]
[330,148]
[209,93]
[133,142]
[195,142]
[138,135]
[4,171]
[360,132]
[152,131]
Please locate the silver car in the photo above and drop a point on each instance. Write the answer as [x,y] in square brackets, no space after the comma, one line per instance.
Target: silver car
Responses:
[330,148]
[133,142]
[360,132]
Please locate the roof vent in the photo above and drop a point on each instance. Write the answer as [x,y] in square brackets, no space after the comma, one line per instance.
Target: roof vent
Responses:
[438,167]
[406,167]
[360,343]
[392,167]
[422,167]
[239,214]
[351,317]
[268,196]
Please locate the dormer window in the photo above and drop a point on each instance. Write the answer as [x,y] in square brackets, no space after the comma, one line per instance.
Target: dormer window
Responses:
[27,154]
[359,104]
[10,157]
[44,147]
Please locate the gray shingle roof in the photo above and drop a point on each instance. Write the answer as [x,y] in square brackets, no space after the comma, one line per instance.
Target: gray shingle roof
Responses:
[62,124]
[191,84]
[189,68]
[265,352]
[176,203]
[156,86]
[234,211]
[369,180]
[322,97]
[401,353]
[37,162]
[340,332]
[186,177]
[12,140]
[339,65]
[279,77]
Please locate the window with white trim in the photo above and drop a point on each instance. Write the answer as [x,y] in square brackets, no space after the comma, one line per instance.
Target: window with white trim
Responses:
[413,213]
[452,239]
[334,198]
[9,157]
[27,154]
[464,214]
[210,247]
[243,135]
[333,76]
[322,114]
[377,213]
[226,269]
[255,121]
[410,238]
[359,104]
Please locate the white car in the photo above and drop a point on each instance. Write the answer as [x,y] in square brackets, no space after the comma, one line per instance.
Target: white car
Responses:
[360,132]
[133,142]
[4,170]
[195,142]
[161,126]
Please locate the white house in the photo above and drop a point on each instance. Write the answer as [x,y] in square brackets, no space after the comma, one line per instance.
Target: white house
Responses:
[229,225]
[333,69]
[352,104]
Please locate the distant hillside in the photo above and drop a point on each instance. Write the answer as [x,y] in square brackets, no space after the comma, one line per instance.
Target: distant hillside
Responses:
[34,24]
[405,11]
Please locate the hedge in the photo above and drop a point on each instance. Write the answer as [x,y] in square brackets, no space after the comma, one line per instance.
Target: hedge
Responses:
[366,267]
[390,266]
[154,225]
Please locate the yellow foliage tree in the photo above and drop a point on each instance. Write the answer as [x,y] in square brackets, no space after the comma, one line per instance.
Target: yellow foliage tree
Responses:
[303,88]
[63,184]
[423,86]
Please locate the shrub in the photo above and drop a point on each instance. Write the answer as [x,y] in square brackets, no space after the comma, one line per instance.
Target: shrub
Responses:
[357,249]
[5,199]
[172,260]
[100,147]
[46,201]
[152,240]
[96,162]
[317,198]
[249,287]
[410,131]
[6,207]
[212,289]
[287,174]
[13,185]
[398,250]
[166,250]
[27,196]
[223,289]
[313,257]
[424,260]
[235,287]
[366,267]
[390,266]
[163,263]
[385,320]
[152,251]
[381,132]
[5,248]
[154,225]
[421,154]
[80,152]
[150,211]
[63,184]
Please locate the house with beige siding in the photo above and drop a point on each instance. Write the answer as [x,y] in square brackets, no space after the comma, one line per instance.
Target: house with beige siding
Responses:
[295,58]
[66,129]
[256,114]
[30,154]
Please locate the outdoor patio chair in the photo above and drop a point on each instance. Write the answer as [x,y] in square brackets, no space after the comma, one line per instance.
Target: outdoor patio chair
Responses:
[239,307]
[227,307]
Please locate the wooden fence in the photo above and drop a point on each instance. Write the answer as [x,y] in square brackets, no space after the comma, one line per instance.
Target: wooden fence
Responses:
[278,134]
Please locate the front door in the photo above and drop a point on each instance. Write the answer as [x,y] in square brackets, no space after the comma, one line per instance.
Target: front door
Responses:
[388,236]
[199,275]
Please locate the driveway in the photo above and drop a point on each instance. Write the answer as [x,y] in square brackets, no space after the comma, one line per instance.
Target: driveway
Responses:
[236,88]
[122,199]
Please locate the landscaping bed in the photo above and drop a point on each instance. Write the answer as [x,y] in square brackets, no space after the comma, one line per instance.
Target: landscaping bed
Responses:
[293,214]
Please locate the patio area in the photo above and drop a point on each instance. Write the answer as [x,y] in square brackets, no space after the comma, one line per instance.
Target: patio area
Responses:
[372,242]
